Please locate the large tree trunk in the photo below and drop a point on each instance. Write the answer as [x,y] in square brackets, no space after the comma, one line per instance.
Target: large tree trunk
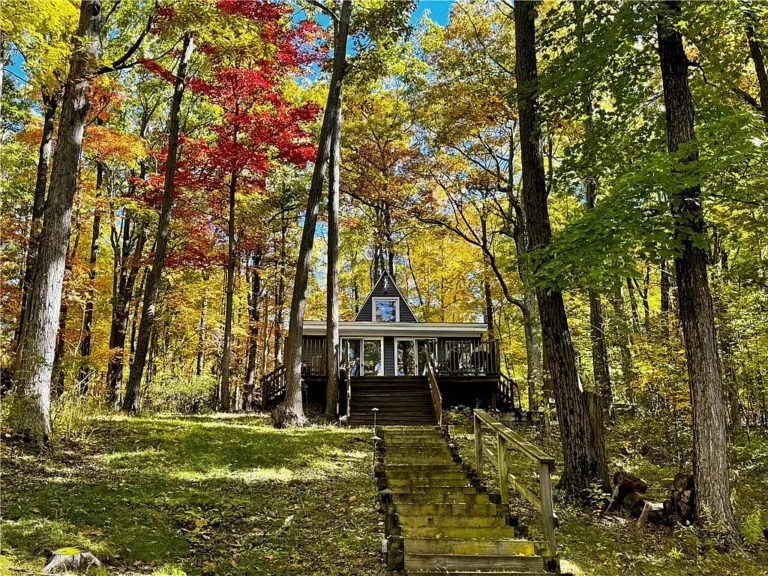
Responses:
[758,59]
[50,103]
[85,348]
[31,417]
[292,410]
[131,401]
[581,449]
[230,290]
[710,447]
[253,333]
[332,301]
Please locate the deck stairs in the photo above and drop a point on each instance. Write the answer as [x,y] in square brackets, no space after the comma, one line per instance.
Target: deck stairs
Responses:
[400,400]
[447,525]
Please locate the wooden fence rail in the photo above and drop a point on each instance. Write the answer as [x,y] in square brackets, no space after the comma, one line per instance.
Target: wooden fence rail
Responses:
[506,440]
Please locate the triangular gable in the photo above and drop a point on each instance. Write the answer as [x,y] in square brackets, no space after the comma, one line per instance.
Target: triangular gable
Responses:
[383,287]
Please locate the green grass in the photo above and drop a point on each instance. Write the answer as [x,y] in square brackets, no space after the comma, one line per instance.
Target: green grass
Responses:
[592,545]
[197,495]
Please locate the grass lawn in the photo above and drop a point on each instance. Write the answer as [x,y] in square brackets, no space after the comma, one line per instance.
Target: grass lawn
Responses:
[197,495]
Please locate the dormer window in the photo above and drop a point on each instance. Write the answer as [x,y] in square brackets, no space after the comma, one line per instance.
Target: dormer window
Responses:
[386,310]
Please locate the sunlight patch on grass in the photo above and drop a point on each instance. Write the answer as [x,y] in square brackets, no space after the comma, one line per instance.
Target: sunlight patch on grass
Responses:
[251,476]
[143,456]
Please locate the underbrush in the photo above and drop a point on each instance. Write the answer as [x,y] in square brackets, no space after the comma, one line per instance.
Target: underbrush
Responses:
[591,543]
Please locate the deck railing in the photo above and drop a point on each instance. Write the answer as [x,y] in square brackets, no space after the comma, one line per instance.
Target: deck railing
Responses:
[313,357]
[468,357]
[508,391]
[434,389]
[507,440]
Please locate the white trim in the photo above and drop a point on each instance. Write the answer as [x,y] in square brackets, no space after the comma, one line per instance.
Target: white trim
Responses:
[399,329]
[370,294]
[362,356]
[415,354]
[377,299]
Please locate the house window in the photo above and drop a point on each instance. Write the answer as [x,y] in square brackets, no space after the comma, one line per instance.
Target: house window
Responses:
[373,357]
[386,310]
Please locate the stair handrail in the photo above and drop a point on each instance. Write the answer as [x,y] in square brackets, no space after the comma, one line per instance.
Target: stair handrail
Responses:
[434,389]
[506,440]
[272,384]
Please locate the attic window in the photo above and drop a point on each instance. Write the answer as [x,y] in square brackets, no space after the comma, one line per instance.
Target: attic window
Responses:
[386,310]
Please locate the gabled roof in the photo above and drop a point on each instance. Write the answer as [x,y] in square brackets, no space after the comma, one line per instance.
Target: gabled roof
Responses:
[385,277]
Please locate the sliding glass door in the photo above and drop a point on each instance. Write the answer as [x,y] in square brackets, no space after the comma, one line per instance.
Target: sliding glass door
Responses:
[405,357]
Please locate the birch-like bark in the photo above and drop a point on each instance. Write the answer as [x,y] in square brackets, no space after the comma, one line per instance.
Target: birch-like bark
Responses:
[31,414]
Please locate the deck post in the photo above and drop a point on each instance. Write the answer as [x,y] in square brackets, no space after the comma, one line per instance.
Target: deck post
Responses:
[503,472]
[479,446]
[547,508]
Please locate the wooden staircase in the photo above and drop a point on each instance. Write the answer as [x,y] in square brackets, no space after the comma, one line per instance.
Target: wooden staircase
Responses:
[401,401]
[447,525]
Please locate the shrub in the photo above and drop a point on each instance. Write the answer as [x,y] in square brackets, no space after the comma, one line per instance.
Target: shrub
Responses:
[192,396]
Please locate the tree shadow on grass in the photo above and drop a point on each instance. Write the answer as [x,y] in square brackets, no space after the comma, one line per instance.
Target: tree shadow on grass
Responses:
[196,493]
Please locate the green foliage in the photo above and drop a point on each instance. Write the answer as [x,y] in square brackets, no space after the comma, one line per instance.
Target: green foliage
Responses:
[170,393]
[752,530]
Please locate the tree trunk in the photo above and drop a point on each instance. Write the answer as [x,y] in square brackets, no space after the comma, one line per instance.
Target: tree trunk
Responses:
[332,303]
[532,350]
[292,408]
[633,306]
[758,59]
[710,447]
[127,270]
[253,333]
[201,338]
[581,451]
[488,305]
[31,419]
[230,290]
[280,294]
[600,366]
[623,335]
[50,103]
[664,287]
[130,403]
[85,348]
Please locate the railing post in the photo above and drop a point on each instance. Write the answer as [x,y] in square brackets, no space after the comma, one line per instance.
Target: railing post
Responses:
[547,508]
[479,446]
[503,473]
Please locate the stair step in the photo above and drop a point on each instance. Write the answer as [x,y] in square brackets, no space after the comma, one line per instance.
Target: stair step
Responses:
[475,547]
[439,509]
[431,474]
[430,490]
[477,563]
[442,498]
[412,468]
[460,532]
[452,521]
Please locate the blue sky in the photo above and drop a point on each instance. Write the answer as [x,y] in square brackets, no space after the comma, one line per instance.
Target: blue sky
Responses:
[438,12]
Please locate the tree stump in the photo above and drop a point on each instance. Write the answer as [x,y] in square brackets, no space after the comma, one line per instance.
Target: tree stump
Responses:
[70,559]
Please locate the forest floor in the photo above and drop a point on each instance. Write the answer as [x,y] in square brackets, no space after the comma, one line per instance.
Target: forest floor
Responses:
[197,495]
[168,495]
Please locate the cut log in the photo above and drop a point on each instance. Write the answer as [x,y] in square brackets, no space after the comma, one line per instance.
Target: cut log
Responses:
[66,559]
[652,512]
[626,488]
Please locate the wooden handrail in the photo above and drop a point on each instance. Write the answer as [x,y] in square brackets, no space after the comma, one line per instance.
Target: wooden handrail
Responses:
[506,440]
[272,385]
[437,399]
